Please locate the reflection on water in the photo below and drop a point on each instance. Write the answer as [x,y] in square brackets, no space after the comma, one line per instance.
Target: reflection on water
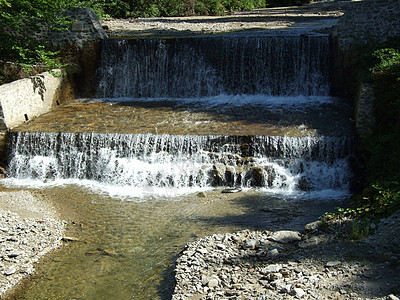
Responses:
[127,248]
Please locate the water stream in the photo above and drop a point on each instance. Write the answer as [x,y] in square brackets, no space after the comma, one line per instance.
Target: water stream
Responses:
[139,170]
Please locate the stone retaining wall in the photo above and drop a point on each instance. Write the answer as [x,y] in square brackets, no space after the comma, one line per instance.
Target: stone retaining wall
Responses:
[365,24]
[86,27]
[368,21]
[27,98]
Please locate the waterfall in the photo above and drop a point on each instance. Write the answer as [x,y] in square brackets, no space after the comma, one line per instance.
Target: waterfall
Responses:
[159,164]
[203,67]
[210,74]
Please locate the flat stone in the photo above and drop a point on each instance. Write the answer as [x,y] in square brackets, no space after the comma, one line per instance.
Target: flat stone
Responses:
[9,271]
[333,263]
[286,236]
[70,239]
[273,252]
[271,269]
[213,282]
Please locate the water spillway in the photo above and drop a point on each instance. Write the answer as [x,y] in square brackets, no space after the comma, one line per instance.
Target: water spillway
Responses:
[201,67]
[241,88]
[161,164]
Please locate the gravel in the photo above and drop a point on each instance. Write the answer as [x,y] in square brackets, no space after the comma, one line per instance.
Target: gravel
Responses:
[29,229]
[314,264]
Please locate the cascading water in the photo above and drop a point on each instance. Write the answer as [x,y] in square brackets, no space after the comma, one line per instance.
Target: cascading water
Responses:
[200,67]
[291,70]
[161,164]
[249,84]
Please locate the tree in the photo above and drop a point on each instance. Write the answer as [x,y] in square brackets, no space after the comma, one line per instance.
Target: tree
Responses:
[21,22]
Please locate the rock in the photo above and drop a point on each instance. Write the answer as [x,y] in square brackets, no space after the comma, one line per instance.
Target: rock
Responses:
[313,226]
[213,282]
[392,297]
[201,195]
[312,241]
[218,174]
[332,263]
[258,176]
[251,244]
[9,271]
[70,239]
[221,246]
[273,252]
[297,292]
[271,269]
[285,236]
[231,190]
[304,185]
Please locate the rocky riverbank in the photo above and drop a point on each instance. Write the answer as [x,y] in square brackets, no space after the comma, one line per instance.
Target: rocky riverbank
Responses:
[314,264]
[29,228]
[307,18]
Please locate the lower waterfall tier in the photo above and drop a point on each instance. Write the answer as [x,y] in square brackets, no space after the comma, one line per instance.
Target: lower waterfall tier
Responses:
[146,164]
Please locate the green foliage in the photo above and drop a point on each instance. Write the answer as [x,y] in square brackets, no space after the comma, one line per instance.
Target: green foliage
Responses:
[232,5]
[20,20]
[380,151]
[375,202]
[359,229]
[152,8]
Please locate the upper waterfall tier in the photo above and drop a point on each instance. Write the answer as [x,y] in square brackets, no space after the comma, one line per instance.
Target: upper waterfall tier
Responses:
[199,67]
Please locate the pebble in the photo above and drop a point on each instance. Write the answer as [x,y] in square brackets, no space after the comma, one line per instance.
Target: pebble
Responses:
[236,266]
[24,239]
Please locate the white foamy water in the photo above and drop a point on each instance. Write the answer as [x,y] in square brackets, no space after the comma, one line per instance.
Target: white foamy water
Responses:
[141,165]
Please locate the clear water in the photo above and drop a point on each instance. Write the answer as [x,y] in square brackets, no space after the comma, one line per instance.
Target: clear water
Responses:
[128,248]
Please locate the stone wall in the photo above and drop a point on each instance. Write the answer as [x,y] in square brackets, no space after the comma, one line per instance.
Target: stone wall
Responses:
[27,98]
[86,27]
[368,21]
[365,23]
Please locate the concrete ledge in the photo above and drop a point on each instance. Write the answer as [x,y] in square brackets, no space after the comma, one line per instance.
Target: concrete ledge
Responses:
[27,98]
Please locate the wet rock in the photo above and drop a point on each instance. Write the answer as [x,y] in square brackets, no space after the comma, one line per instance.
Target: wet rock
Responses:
[231,190]
[258,176]
[201,195]
[304,185]
[218,174]
[70,239]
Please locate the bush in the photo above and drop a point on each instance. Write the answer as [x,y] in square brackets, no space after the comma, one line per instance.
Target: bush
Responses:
[19,20]
[380,152]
